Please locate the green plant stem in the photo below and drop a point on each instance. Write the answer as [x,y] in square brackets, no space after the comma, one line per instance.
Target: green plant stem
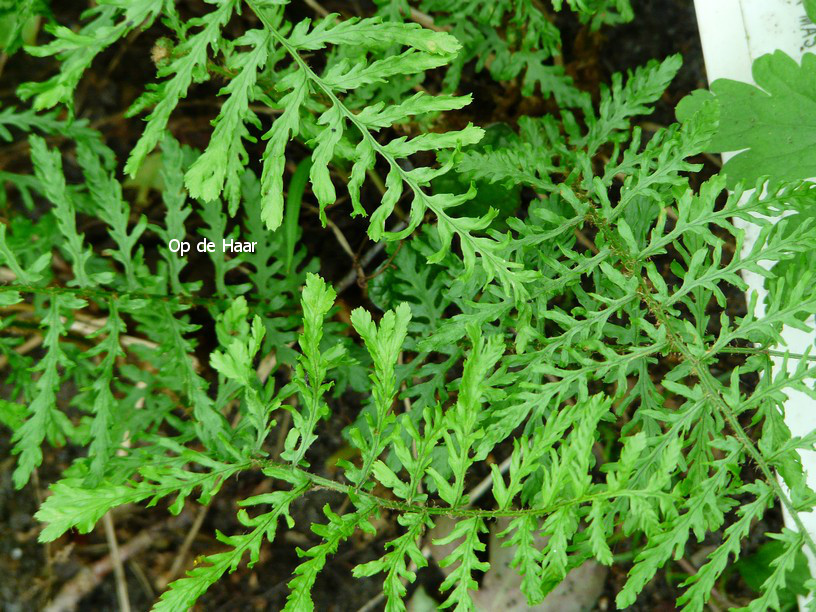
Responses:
[319,482]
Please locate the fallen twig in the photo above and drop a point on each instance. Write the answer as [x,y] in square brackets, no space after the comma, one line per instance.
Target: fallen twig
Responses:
[91,577]
[349,279]
[426,21]
[316,7]
[116,561]
[181,557]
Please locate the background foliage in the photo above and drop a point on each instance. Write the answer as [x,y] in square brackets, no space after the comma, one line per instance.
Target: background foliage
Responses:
[545,342]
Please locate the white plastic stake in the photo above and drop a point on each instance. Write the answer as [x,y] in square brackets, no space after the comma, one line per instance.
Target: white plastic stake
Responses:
[734,33]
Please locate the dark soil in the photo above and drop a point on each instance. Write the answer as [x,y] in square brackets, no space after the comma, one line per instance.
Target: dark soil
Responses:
[31,574]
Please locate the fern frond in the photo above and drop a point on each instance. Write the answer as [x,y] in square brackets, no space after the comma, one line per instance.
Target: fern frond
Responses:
[18,17]
[73,504]
[101,398]
[310,374]
[705,579]
[585,328]
[338,529]
[235,363]
[793,542]
[705,509]
[216,233]
[384,344]
[45,419]
[461,431]
[394,563]
[461,580]
[432,49]
[49,124]
[209,422]
[175,200]
[31,276]
[110,206]
[183,593]
[48,167]
[76,50]
[190,60]
[643,87]
[220,166]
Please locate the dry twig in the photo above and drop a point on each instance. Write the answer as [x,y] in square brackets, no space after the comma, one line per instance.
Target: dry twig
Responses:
[350,278]
[181,557]
[91,577]
[116,561]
